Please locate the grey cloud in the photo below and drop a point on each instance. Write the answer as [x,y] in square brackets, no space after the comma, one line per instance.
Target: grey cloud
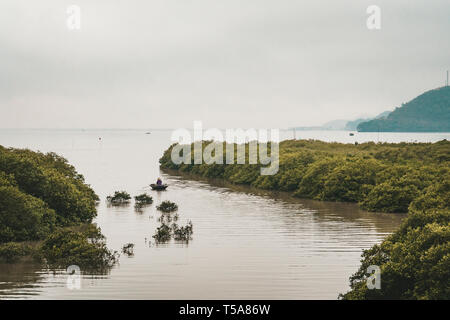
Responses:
[229,63]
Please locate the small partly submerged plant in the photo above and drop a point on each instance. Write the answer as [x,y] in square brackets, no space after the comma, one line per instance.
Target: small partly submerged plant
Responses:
[119,197]
[179,233]
[167,217]
[167,206]
[162,234]
[128,249]
[143,199]
[183,233]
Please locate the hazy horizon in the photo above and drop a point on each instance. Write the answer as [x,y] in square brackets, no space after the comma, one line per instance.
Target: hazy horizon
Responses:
[231,64]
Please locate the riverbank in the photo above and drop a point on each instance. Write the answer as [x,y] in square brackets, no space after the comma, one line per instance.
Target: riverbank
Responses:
[405,177]
[246,246]
[47,211]
[285,196]
[379,177]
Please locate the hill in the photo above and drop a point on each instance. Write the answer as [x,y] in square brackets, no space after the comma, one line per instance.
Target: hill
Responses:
[352,125]
[341,124]
[429,112]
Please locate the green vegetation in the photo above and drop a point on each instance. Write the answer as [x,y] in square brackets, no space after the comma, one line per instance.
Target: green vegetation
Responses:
[383,177]
[46,211]
[414,261]
[143,199]
[23,217]
[162,234]
[50,179]
[119,197]
[12,251]
[182,233]
[404,177]
[428,112]
[128,249]
[167,217]
[87,249]
[167,206]
[169,228]
[165,232]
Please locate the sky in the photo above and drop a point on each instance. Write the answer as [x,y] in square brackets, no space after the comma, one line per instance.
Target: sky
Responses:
[227,63]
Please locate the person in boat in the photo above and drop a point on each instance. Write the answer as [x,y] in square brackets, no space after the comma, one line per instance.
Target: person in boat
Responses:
[159,182]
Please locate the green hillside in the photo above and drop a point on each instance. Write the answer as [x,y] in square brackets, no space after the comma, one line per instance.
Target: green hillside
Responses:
[429,112]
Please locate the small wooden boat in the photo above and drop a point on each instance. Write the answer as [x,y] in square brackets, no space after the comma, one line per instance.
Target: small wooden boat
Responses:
[159,187]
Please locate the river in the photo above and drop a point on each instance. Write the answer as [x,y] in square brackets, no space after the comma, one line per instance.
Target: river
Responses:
[246,244]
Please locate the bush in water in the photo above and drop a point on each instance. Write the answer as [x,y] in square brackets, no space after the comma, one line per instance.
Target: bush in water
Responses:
[414,261]
[167,206]
[182,233]
[162,234]
[128,249]
[87,249]
[119,197]
[143,199]
[167,218]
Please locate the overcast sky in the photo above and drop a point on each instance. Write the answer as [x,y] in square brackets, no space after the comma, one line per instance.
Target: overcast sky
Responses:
[229,63]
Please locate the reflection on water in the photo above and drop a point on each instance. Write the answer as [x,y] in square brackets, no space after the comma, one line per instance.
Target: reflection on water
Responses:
[19,279]
[29,280]
[246,244]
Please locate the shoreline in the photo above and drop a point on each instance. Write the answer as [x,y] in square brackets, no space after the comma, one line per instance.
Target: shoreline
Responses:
[273,194]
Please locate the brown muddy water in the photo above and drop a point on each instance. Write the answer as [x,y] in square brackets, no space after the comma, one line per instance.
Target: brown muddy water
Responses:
[246,244]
